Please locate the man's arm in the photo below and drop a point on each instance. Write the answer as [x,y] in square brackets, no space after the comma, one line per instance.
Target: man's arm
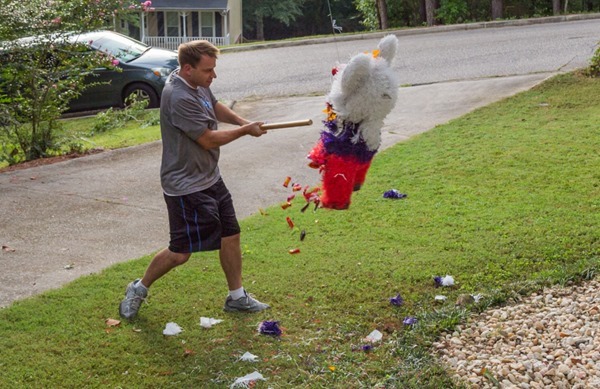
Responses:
[227,115]
[211,139]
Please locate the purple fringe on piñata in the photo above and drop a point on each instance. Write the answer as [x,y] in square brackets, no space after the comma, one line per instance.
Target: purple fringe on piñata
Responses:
[342,144]
[269,328]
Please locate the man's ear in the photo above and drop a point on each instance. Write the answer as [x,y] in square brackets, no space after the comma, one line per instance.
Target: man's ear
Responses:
[184,69]
[356,73]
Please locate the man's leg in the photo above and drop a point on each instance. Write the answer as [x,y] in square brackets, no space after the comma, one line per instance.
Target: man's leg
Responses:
[161,264]
[137,290]
[231,262]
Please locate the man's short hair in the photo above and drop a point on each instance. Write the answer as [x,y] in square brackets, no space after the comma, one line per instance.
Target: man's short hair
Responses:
[191,52]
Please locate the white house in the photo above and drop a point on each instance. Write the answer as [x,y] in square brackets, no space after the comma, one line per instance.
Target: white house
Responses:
[172,22]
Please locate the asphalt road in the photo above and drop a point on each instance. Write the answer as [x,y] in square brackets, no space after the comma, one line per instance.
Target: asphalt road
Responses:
[78,217]
[436,56]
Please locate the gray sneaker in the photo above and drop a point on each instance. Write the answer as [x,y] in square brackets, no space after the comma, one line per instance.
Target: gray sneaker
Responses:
[244,304]
[134,295]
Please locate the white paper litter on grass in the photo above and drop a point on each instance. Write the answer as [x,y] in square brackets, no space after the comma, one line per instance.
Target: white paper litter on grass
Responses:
[171,329]
[440,297]
[477,297]
[447,281]
[208,322]
[244,382]
[374,336]
[248,357]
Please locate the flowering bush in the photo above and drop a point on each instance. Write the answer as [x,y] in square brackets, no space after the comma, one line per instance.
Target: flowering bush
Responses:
[42,74]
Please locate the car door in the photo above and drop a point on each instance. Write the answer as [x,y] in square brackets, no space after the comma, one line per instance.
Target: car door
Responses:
[104,90]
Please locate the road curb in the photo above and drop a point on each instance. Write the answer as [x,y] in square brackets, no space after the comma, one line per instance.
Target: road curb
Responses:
[414,31]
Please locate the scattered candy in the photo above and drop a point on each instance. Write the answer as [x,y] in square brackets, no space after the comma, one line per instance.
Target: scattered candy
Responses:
[291,197]
[366,348]
[269,328]
[296,187]
[305,207]
[302,235]
[294,251]
[393,194]
[289,222]
[287,181]
[397,301]
[286,205]
[409,321]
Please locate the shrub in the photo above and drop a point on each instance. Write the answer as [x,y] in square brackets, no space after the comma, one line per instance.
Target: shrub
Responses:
[594,69]
[452,11]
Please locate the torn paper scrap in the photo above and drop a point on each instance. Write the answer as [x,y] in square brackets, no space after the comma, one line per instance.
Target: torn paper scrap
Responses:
[171,329]
[443,281]
[208,322]
[249,357]
[247,380]
[374,336]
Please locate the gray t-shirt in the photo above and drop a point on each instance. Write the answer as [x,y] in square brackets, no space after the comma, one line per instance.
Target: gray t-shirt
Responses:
[185,113]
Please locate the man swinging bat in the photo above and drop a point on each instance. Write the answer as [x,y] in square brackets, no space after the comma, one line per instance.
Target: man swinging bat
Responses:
[200,208]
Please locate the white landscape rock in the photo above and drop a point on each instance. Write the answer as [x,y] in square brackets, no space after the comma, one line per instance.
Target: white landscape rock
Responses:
[550,339]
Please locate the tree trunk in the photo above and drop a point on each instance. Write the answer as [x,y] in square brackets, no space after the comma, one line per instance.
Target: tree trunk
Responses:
[422,12]
[260,28]
[556,7]
[381,6]
[497,9]
[430,12]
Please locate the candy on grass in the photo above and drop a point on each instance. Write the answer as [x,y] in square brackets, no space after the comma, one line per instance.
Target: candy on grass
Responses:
[397,301]
[269,328]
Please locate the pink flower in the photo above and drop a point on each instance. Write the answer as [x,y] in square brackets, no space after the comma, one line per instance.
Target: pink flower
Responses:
[115,62]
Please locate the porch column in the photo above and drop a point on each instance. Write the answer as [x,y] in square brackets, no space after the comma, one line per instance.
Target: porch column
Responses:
[184,16]
[224,14]
[143,27]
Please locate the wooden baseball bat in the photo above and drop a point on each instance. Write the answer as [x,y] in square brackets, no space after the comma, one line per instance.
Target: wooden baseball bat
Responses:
[296,123]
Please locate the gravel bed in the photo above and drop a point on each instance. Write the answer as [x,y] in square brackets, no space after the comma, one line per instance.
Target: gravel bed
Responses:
[549,339]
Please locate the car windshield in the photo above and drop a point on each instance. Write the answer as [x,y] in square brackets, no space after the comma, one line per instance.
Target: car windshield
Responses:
[118,46]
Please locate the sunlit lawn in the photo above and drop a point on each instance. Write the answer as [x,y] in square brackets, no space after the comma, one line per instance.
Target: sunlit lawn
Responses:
[505,200]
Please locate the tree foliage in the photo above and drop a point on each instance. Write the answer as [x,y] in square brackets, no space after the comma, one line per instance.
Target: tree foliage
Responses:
[44,70]
[283,11]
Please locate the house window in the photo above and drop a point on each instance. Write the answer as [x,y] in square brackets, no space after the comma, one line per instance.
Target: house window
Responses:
[207,23]
[219,25]
[195,24]
[160,22]
[173,24]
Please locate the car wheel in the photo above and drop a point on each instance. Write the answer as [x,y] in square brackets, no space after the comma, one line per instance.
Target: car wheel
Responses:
[141,92]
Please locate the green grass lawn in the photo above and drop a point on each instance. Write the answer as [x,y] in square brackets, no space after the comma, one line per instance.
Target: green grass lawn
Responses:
[505,199]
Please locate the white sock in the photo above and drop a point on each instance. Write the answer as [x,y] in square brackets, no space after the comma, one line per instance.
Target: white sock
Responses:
[237,294]
[139,283]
